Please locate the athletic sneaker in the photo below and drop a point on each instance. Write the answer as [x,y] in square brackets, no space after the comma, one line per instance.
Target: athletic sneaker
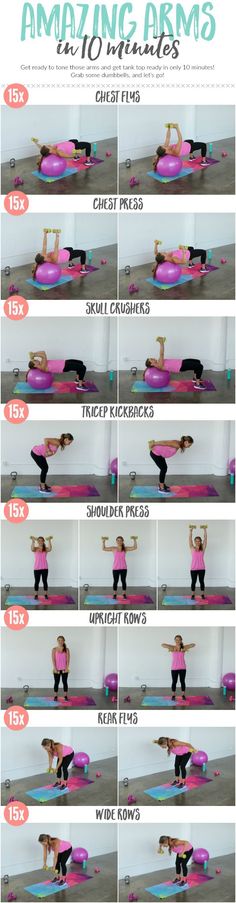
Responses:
[202,271]
[56,784]
[47,489]
[84,272]
[165,489]
[199,387]
[184,697]
[89,163]
[61,881]
[204,163]
[55,880]
[81,388]
[176,881]
[183,883]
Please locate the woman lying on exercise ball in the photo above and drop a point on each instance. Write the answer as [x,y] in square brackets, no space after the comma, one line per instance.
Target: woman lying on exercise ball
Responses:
[54,255]
[184,260]
[46,149]
[175,149]
[177,365]
[38,360]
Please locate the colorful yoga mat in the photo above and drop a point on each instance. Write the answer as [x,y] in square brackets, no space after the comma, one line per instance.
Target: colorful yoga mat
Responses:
[168,889]
[186,600]
[167,702]
[75,271]
[47,888]
[175,385]
[44,794]
[181,492]
[166,287]
[57,388]
[47,288]
[29,600]
[108,600]
[60,492]
[47,702]
[166,791]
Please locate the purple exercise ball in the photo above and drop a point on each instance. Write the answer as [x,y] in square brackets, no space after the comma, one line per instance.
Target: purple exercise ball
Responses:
[199,757]
[111,681]
[52,165]
[157,379]
[39,379]
[200,855]
[79,854]
[48,273]
[229,680]
[168,272]
[114,466]
[169,166]
[80,759]
[232,466]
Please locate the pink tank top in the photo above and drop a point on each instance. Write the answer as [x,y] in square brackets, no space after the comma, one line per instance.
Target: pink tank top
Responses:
[180,847]
[173,364]
[56,366]
[40,561]
[197,563]
[64,845]
[61,661]
[178,661]
[119,561]
[41,449]
[180,750]
[67,750]
[167,451]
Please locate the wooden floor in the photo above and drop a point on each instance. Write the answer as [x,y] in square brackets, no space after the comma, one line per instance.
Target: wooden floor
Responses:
[101,285]
[108,493]
[97,180]
[102,792]
[220,702]
[19,696]
[221,484]
[220,889]
[219,179]
[102,887]
[52,590]
[225,390]
[220,792]
[105,590]
[107,390]
[217,285]
[186,591]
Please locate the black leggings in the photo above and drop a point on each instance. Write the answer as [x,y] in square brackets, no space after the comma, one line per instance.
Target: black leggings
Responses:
[44,574]
[73,364]
[122,574]
[160,462]
[82,145]
[76,252]
[180,764]
[197,252]
[182,863]
[64,677]
[197,145]
[200,575]
[192,363]
[63,768]
[61,861]
[181,674]
[41,462]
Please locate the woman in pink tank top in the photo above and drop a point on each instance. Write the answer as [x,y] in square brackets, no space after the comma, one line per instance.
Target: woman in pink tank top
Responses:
[40,550]
[61,850]
[119,561]
[39,361]
[176,365]
[182,752]
[183,850]
[64,755]
[61,663]
[160,450]
[178,665]
[198,547]
[47,449]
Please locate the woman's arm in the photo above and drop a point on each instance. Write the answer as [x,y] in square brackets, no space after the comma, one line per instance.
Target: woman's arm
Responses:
[40,358]
[167,646]
[59,754]
[134,546]
[189,646]
[204,544]
[68,659]
[55,853]
[172,443]
[45,855]
[104,547]
[49,546]
[190,538]
[33,543]
[54,658]
[176,150]
[48,442]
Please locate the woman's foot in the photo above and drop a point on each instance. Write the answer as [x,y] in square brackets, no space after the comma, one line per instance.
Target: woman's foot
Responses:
[184,697]
[46,596]
[198,385]
[44,488]
[61,881]
[83,271]
[66,697]
[163,487]
[204,162]
[183,882]
[114,596]
[57,784]
[173,697]
[203,596]
[89,163]
[173,783]
[55,698]
[202,270]
[36,596]
[176,881]
[193,596]
[124,596]
[55,880]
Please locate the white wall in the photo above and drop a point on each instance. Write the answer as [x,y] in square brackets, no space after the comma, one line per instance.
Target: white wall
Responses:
[174,555]
[138,844]
[48,124]
[211,340]
[92,341]
[97,568]
[26,658]
[142,659]
[138,756]
[208,455]
[27,855]
[142,129]
[85,230]
[18,565]
[83,456]
[26,757]
[201,230]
